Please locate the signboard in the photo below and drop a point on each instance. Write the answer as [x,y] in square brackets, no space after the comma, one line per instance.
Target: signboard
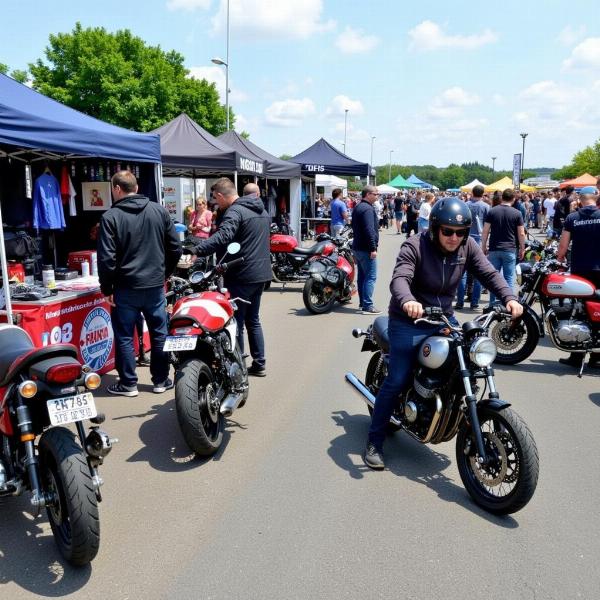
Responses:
[253,166]
[314,168]
[517,171]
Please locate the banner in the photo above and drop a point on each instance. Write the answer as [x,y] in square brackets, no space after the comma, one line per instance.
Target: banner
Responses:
[517,171]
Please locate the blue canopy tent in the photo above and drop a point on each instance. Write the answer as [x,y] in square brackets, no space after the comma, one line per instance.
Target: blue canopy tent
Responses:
[34,127]
[323,159]
[414,179]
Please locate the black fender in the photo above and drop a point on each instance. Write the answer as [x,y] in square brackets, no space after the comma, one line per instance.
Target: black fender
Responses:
[536,318]
[495,403]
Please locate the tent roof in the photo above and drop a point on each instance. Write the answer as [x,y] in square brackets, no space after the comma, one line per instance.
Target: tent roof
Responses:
[29,119]
[187,146]
[330,181]
[386,189]
[400,182]
[274,167]
[506,183]
[323,158]
[469,186]
[414,179]
[581,181]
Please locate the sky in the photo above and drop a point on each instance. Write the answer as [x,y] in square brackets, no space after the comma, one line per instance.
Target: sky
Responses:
[432,81]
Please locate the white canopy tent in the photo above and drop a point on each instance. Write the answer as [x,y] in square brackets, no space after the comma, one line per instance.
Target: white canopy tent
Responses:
[469,187]
[329,183]
[384,188]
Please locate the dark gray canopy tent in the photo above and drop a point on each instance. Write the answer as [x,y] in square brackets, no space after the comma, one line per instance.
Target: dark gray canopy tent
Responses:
[323,159]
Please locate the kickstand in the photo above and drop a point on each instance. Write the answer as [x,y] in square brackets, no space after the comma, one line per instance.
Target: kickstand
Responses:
[582,365]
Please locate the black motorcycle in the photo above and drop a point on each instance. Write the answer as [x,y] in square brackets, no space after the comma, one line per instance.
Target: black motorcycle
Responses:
[496,454]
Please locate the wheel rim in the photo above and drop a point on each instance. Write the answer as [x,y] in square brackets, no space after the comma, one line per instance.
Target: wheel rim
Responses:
[209,409]
[319,297]
[508,339]
[57,508]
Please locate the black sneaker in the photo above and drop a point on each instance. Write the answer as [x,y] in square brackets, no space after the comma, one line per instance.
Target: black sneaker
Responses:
[371,311]
[118,389]
[459,306]
[474,306]
[165,385]
[373,458]
[255,371]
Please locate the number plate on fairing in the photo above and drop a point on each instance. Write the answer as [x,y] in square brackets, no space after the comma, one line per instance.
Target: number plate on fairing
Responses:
[178,343]
[71,408]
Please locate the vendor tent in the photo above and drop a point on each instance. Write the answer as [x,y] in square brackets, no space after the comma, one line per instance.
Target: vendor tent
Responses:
[400,182]
[322,158]
[384,188]
[581,181]
[188,150]
[469,186]
[414,179]
[506,183]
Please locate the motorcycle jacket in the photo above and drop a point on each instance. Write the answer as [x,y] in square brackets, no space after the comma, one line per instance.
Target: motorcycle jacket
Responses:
[425,274]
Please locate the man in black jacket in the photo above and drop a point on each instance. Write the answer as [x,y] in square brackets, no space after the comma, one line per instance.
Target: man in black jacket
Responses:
[365,227]
[243,220]
[138,249]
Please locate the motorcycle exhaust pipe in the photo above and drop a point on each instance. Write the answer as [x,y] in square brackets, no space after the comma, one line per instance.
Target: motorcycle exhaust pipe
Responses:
[365,394]
[230,403]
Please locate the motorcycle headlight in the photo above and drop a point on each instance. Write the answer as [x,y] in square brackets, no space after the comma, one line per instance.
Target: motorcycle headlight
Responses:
[483,352]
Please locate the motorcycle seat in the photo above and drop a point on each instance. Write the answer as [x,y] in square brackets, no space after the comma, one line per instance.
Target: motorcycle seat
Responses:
[380,333]
[312,251]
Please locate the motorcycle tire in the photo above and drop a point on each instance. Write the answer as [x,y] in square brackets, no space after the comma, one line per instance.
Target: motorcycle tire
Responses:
[515,347]
[73,515]
[376,373]
[515,464]
[316,299]
[198,414]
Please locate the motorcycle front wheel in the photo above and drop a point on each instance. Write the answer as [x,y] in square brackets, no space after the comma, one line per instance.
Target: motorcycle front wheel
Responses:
[316,298]
[507,482]
[197,408]
[515,341]
[73,509]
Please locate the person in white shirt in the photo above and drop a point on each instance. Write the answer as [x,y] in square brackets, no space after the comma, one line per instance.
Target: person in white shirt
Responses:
[425,211]
[548,209]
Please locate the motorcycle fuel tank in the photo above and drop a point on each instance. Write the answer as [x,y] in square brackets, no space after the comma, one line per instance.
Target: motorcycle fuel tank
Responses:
[210,309]
[561,285]
[283,243]
[593,311]
[434,351]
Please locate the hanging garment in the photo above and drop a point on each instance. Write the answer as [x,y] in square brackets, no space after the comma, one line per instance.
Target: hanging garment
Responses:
[47,203]
[72,194]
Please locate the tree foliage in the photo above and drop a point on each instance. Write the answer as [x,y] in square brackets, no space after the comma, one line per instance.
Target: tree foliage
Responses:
[117,78]
[585,161]
[17,74]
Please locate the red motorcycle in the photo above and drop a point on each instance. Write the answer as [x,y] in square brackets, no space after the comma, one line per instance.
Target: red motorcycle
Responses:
[570,312]
[41,390]
[211,379]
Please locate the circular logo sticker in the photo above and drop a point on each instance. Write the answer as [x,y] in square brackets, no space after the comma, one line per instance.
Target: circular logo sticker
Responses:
[426,350]
[96,338]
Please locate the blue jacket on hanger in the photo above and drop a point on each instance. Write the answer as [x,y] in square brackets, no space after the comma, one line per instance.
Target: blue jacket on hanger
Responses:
[47,203]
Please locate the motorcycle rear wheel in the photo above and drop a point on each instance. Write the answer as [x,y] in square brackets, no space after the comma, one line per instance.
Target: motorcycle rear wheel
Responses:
[73,515]
[197,410]
[316,299]
[508,482]
[515,345]
[376,373]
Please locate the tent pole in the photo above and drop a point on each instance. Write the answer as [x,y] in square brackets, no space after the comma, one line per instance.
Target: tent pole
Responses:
[6,284]
[235,179]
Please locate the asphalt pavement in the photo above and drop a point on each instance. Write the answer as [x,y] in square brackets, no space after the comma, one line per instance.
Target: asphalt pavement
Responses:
[287,510]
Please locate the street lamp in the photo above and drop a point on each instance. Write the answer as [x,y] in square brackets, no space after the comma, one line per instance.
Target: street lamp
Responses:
[390,167]
[523,135]
[494,164]
[225,63]
[345,127]
[371,164]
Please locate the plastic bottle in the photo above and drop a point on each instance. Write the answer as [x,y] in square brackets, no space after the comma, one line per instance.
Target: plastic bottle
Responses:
[29,266]
[94,264]
[48,276]
[85,268]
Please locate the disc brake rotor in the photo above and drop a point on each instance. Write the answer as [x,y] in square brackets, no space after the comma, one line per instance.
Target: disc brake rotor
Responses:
[210,403]
[54,507]
[494,473]
[506,336]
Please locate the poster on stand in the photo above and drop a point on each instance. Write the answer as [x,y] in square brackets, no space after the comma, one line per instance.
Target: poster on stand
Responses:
[96,195]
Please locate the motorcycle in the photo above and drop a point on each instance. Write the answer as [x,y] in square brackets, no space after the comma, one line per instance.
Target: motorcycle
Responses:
[211,379]
[496,454]
[330,278]
[570,312]
[41,391]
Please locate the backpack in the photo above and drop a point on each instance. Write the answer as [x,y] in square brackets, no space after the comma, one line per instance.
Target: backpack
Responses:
[19,245]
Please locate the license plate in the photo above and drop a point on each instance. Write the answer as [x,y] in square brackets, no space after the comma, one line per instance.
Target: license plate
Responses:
[71,409]
[177,343]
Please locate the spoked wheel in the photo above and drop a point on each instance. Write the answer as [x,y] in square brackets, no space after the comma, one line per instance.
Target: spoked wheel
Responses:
[507,482]
[72,508]
[197,408]
[514,341]
[376,373]
[318,298]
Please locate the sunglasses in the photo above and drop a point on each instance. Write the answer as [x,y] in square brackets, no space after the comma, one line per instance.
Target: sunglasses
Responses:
[447,232]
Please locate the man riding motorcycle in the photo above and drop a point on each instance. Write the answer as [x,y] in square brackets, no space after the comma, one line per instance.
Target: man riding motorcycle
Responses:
[428,270]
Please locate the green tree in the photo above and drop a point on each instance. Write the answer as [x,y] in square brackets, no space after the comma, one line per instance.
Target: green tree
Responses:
[116,77]
[245,135]
[20,76]
[3,68]
[285,156]
[585,161]
[452,177]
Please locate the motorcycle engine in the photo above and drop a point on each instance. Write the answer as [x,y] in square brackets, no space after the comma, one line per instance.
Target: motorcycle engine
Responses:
[417,412]
[567,327]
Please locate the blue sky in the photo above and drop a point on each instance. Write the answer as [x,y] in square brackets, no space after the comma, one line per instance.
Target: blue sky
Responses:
[435,81]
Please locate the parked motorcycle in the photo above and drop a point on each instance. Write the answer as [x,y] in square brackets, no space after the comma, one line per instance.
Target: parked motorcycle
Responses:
[330,278]
[570,312]
[41,391]
[496,454]
[211,379]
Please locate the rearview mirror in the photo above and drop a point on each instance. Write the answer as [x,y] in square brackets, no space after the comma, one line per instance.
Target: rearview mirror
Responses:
[233,248]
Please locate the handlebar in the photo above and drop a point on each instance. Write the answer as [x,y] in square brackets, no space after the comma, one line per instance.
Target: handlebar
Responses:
[223,267]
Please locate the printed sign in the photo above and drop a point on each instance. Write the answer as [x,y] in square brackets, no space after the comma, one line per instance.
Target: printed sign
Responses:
[314,168]
[247,164]
[96,340]
[517,171]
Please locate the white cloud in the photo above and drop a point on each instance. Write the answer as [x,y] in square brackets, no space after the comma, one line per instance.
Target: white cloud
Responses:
[451,103]
[268,19]
[585,55]
[290,112]
[216,75]
[429,36]
[355,41]
[338,105]
[188,5]
[352,133]
[570,35]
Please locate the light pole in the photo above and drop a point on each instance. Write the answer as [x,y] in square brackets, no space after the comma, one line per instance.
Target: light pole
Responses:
[494,164]
[371,164]
[345,127]
[225,63]
[390,167]
[523,135]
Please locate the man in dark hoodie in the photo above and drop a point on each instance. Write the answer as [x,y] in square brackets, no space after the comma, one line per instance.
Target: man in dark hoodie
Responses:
[243,220]
[138,249]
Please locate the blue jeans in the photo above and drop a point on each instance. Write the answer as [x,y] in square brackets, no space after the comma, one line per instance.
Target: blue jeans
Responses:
[366,277]
[505,261]
[248,315]
[405,339]
[336,229]
[129,304]
[476,293]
